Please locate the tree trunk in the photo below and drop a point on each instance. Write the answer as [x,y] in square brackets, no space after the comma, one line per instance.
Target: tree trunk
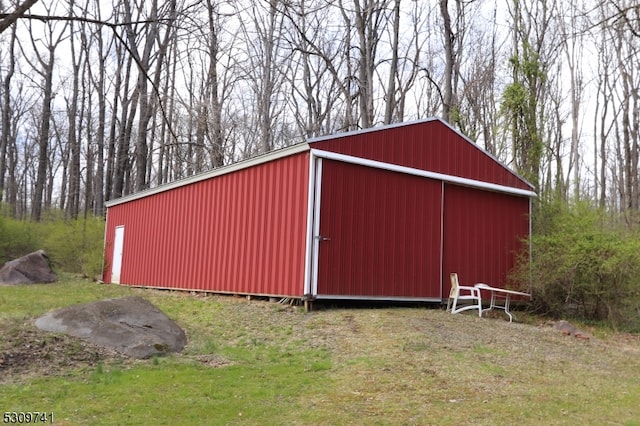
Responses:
[217,143]
[447,92]
[390,104]
[6,110]
[43,137]
[72,207]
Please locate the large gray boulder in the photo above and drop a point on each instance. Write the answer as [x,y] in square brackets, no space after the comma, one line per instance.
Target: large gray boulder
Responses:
[29,269]
[130,325]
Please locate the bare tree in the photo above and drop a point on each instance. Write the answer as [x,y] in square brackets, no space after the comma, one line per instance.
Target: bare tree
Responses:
[524,98]
[121,128]
[630,116]
[477,99]
[210,121]
[264,61]
[6,107]
[450,59]
[602,123]
[98,82]
[404,65]
[369,18]
[321,95]
[349,55]
[44,66]
[77,58]
[572,48]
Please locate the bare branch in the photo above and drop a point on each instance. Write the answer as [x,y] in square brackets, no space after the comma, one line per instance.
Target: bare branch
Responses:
[10,18]
[45,18]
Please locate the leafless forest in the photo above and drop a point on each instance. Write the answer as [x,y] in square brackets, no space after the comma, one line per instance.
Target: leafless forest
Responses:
[102,98]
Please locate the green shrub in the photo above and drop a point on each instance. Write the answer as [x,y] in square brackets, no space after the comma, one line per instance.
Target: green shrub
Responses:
[75,246]
[17,238]
[584,266]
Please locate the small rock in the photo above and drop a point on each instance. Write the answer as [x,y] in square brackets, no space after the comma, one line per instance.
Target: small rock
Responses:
[569,329]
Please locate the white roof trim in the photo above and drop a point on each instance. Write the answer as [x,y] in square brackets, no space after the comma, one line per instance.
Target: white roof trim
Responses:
[423,173]
[372,129]
[245,164]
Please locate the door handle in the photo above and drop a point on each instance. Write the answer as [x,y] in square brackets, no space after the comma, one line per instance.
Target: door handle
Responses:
[321,238]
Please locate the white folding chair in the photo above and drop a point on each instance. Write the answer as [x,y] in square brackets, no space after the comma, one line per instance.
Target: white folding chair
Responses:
[465,294]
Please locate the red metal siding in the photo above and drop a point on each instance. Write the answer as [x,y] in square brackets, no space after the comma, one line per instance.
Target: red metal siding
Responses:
[429,145]
[242,232]
[483,231]
[384,230]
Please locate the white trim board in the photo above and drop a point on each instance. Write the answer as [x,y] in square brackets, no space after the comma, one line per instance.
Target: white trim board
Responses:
[423,173]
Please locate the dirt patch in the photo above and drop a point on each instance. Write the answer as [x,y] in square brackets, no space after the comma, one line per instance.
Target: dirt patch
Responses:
[213,361]
[26,351]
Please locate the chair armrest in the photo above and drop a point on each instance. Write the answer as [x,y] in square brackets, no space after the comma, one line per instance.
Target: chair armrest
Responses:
[472,290]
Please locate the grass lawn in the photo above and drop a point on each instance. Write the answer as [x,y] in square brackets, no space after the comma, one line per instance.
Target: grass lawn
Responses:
[256,362]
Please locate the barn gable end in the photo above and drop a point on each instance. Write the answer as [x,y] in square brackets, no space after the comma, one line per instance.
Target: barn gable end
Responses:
[429,145]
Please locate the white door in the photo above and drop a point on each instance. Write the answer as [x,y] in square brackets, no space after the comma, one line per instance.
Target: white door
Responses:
[118,244]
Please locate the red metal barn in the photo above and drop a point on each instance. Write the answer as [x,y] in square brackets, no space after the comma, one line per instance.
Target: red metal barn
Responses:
[379,214]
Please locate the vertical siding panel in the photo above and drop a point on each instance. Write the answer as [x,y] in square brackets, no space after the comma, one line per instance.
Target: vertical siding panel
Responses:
[225,228]
[250,224]
[152,220]
[191,243]
[272,235]
[243,231]
[299,191]
[267,236]
[199,231]
[177,259]
[173,255]
[171,267]
[207,235]
[278,201]
[213,235]
[257,211]
[131,245]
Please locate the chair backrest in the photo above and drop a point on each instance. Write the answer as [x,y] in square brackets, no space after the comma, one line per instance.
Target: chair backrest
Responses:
[454,284]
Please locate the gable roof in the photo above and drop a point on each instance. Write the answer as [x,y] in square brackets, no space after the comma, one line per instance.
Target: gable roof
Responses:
[429,144]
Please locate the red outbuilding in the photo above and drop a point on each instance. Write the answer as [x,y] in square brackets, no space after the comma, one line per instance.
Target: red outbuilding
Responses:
[379,214]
